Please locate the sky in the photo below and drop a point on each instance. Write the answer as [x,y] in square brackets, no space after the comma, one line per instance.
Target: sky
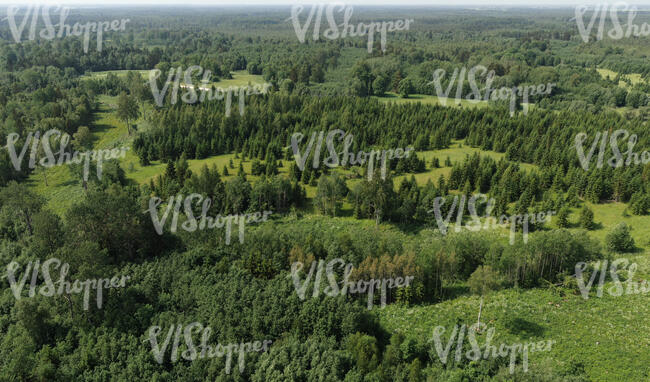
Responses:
[433,3]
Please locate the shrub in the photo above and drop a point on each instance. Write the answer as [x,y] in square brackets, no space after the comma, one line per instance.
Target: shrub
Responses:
[639,203]
[483,280]
[619,239]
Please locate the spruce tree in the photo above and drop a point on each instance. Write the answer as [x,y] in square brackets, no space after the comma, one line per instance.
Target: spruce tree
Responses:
[563,217]
[241,171]
[586,218]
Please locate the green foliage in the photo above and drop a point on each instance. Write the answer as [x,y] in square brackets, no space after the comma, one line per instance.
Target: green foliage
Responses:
[640,203]
[330,193]
[547,256]
[586,218]
[23,202]
[113,219]
[244,291]
[364,351]
[406,88]
[562,217]
[483,280]
[127,110]
[619,239]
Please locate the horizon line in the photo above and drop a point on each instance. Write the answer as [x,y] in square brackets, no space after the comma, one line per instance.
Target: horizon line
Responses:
[285,3]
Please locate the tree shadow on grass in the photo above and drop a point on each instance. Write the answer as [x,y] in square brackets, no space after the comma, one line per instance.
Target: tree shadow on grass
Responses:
[597,226]
[100,128]
[524,328]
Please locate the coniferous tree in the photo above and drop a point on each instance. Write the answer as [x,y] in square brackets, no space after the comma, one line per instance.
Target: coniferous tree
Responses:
[563,217]
[586,218]
[241,172]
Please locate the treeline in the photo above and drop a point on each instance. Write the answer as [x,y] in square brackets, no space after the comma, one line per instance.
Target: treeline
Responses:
[573,87]
[274,58]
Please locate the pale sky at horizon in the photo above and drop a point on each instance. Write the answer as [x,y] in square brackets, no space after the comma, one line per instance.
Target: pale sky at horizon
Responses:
[431,3]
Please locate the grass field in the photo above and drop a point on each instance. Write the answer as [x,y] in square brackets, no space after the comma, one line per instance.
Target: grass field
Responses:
[592,331]
[119,73]
[634,78]
[434,100]
[239,77]
[430,100]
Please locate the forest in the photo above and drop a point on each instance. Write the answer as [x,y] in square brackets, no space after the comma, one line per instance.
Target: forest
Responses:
[95,220]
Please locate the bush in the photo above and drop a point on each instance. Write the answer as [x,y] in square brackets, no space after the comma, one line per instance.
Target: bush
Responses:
[639,203]
[547,256]
[619,239]
[483,280]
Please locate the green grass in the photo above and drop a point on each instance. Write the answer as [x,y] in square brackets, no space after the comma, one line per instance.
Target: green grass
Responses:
[608,215]
[119,73]
[456,153]
[239,77]
[608,335]
[429,100]
[634,78]
[63,188]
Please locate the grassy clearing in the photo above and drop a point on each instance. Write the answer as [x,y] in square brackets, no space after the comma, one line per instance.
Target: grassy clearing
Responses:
[608,215]
[456,153]
[119,73]
[634,78]
[590,331]
[430,100]
[427,99]
[239,77]
[64,188]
